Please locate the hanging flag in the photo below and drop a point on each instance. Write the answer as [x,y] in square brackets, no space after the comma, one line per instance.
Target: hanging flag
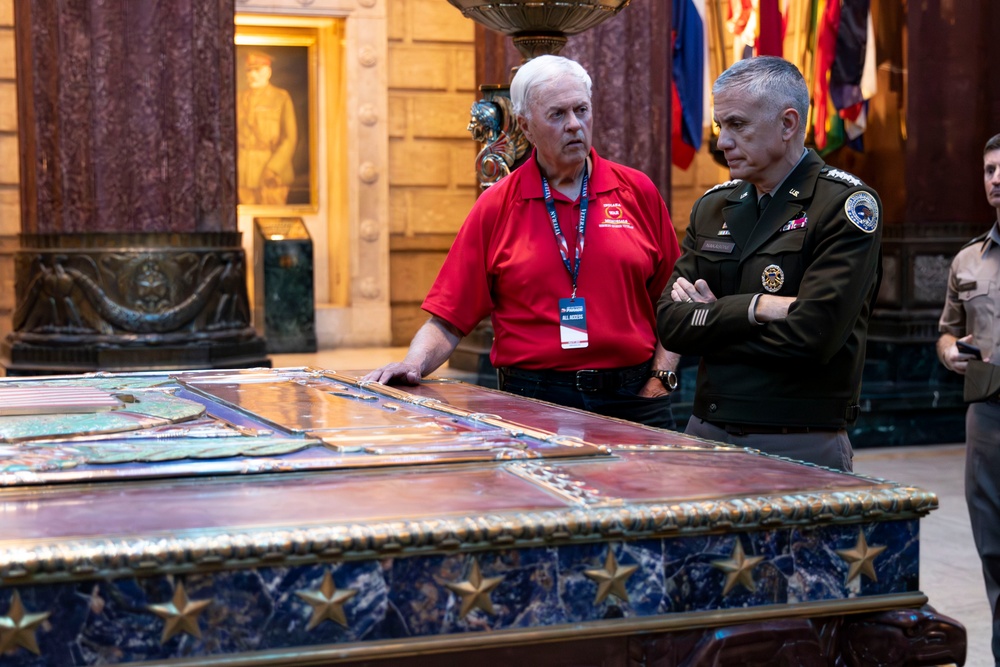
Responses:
[853,72]
[771,33]
[849,59]
[681,153]
[741,20]
[826,43]
[688,86]
[869,77]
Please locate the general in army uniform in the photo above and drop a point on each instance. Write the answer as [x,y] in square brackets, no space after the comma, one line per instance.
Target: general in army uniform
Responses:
[266,136]
[777,279]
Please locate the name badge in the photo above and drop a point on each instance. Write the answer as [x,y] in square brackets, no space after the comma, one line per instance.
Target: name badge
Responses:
[710,245]
[573,323]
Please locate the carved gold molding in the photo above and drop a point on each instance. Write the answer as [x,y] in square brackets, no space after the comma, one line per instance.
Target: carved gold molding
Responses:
[202,550]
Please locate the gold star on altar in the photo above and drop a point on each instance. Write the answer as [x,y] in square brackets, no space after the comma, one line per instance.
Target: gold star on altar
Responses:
[180,614]
[738,569]
[861,559]
[17,628]
[475,592]
[327,602]
[611,579]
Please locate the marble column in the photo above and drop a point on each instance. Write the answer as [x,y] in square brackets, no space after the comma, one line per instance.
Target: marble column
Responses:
[129,254]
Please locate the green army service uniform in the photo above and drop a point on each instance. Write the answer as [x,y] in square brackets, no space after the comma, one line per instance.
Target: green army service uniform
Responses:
[819,241]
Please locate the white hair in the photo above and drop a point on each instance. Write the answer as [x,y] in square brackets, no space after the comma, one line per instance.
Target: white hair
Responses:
[541,70]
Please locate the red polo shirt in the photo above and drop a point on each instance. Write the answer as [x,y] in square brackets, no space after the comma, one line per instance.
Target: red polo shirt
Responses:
[505,262]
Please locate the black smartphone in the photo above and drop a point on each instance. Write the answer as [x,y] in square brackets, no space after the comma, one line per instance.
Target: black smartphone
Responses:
[965,348]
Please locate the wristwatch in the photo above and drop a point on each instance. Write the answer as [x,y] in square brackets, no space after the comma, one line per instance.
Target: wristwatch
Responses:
[668,378]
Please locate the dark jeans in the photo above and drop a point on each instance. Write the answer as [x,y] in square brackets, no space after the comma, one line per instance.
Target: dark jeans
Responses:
[623,403]
[982,494]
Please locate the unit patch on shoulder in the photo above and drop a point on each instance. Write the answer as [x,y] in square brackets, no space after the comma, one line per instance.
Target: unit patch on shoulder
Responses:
[727,184]
[862,211]
[841,175]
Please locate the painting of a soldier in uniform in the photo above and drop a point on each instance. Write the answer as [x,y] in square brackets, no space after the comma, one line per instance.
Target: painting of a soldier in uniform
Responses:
[272,126]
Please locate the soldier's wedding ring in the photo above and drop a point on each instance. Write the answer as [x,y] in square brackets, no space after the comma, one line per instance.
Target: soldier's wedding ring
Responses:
[689,300]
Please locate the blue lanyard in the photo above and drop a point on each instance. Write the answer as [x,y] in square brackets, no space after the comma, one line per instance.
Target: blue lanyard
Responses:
[574,269]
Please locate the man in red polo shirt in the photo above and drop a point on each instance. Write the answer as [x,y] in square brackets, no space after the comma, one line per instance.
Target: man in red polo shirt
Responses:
[568,255]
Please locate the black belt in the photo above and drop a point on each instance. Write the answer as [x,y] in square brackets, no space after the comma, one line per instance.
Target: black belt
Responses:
[760,429]
[587,381]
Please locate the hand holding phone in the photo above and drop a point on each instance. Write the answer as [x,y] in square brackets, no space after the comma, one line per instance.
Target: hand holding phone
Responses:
[971,350]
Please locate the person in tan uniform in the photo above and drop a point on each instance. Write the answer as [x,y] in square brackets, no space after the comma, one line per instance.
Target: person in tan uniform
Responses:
[970,345]
[266,136]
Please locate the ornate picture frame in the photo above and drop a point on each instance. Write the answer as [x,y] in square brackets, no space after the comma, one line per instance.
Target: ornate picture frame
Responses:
[276,115]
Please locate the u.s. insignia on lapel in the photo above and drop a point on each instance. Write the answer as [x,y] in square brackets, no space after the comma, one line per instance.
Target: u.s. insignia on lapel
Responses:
[772,278]
[724,231]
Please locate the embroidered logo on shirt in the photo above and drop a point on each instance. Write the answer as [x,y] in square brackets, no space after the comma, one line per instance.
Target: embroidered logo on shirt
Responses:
[797,223]
[614,216]
[862,211]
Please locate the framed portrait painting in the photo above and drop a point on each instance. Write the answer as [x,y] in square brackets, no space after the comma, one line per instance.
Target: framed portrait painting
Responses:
[276,118]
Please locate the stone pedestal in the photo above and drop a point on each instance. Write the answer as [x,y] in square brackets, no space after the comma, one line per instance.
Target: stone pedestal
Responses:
[130,255]
[130,302]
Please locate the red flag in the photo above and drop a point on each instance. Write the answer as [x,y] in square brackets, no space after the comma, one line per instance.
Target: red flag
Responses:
[681,153]
[769,41]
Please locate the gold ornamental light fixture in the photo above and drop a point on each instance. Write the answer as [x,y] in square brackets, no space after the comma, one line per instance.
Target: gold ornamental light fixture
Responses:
[539,26]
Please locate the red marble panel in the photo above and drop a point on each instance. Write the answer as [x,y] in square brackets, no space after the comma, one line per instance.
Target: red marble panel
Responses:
[563,421]
[680,476]
[170,507]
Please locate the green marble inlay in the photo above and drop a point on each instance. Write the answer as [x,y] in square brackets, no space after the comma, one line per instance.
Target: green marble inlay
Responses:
[144,409]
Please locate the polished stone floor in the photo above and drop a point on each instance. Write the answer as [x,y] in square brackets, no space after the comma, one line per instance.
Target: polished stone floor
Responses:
[949,567]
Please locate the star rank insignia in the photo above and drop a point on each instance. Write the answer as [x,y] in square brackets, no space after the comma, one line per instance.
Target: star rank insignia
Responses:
[475,591]
[180,614]
[18,627]
[611,579]
[739,569]
[327,602]
[861,558]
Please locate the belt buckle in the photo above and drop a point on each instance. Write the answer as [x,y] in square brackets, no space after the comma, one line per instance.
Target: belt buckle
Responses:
[588,381]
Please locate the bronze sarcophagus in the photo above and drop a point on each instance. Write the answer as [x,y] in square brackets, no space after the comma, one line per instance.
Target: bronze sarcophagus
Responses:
[299,516]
